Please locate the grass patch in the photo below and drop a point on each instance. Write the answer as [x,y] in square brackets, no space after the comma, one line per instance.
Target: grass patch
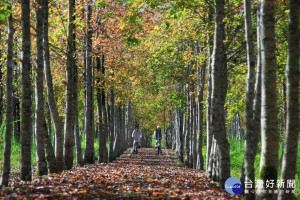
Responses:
[180,164]
[162,143]
[237,156]
[15,155]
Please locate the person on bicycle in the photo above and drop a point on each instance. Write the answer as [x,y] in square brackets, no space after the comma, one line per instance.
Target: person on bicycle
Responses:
[136,135]
[158,137]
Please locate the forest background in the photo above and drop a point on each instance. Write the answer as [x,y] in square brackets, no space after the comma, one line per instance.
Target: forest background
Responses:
[95,69]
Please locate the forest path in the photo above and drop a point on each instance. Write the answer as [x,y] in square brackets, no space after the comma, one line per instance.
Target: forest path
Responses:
[132,176]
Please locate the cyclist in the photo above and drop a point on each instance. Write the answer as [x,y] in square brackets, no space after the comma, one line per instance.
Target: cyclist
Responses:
[136,135]
[158,137]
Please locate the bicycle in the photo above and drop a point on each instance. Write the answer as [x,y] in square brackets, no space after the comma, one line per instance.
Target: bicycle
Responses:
[135,147]
[158,146]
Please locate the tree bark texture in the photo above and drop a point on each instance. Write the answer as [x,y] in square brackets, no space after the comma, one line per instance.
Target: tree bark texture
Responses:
[71,74]
[40,129]
[219,89]
[89,114]
[201,82]
[58,124]
[50,156]
[9,104]
[26,84]
[112,126]
[250,144]
[289,161]
[269,132]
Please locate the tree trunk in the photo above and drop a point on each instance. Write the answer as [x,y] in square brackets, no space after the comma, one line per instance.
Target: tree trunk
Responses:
[77,135]
[101,132]
[269,132]
[16,113]
[40,129]
[250,150]
[172,129]
[208,115]
[195,119]
[177,134]
[71,93]
[213,160]
[1,84]
[219,89]
[181,135]
[89,114]
[257,98]
[9,104]
[112,126]
[48,119]
[52,165]
[289,161]
[187,136]
[122,138]
[117,141]
[201,82]
[78,139]
[26,111]
[129,123]
[124,114]
[106,127]
[256,104]
[16,100]
[105,120]
[58,125]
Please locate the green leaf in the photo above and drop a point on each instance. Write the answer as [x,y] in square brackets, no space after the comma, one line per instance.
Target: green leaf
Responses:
[167,25]
[101,4]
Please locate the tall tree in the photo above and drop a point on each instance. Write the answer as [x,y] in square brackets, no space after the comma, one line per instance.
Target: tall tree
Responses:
[9,104]
[201,81]
[219,89]
[129,123]
[58,125]
[40,129]
[50,156]
[250,146]
[269,133]
[16,112]
[26,84]
[289,161]
[178,128]
[111,126]
[256,104]
[193,126]
[79,157]
[1,83]
[101,108]
[71,92]
[89,114]
[117,141]
[43,137]
[208,99]
[187,129]
[209,135]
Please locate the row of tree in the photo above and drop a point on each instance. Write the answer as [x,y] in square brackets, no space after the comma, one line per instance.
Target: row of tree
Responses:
[185,62]
[114,122]
[181,65]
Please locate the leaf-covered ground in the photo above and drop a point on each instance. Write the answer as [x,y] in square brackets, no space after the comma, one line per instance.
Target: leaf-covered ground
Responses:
[132,176]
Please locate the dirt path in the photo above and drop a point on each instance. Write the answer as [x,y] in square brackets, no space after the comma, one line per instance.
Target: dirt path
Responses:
[132,176]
